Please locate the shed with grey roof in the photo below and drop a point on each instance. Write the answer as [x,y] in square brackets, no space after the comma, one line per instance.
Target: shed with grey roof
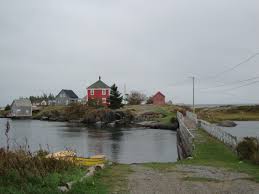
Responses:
[21,108]
[66,97]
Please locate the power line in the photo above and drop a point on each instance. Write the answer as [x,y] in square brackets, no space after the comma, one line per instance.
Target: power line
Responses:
[248,84]
[233,67]
[230,83]
[237,96]
[230,89]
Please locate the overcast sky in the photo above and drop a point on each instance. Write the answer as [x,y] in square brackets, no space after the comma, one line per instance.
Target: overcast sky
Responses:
[149,45]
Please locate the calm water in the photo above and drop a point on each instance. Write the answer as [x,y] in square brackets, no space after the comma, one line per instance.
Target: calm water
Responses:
[120,145]
[244,129]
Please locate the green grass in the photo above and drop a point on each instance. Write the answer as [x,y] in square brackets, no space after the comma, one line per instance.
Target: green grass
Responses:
[211,152]
[14,183]
[112,179]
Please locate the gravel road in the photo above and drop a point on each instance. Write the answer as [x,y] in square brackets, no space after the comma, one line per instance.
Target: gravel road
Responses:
[185,179]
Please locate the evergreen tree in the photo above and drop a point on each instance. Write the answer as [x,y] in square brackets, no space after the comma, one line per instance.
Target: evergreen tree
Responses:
[116,98]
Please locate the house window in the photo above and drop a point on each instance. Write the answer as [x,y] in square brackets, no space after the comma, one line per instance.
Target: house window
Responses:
[92,92]
[103,92]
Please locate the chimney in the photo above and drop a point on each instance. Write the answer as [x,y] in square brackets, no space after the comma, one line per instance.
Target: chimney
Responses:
[99,77]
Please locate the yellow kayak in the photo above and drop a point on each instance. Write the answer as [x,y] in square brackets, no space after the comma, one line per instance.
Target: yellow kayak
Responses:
[89,161]
[70,155]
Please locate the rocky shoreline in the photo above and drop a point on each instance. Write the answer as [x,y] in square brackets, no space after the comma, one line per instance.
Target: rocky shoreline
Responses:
[117,123]
[105,118]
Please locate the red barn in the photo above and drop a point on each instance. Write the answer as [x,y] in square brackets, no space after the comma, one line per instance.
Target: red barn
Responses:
[99,91]
[158,98]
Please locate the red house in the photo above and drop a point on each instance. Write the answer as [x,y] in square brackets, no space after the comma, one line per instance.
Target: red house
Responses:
[159,98]
[98,91]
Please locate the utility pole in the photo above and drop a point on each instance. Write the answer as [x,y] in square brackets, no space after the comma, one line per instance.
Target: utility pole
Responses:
[193,94]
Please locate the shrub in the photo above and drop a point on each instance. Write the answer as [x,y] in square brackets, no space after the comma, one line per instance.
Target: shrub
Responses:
[149,100]
[7,108]
[95,103]
[76,111]
[248,149]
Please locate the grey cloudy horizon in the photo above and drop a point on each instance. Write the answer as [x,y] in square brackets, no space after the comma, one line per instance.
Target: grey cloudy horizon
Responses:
[149,45]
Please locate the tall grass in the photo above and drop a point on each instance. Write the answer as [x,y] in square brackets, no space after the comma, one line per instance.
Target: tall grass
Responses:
[24,172]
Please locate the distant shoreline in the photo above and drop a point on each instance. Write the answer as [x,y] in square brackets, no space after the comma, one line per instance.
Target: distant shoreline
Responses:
[215,105]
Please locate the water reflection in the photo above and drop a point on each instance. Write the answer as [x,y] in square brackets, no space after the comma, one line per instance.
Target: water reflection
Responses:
[119,145]
[244,129]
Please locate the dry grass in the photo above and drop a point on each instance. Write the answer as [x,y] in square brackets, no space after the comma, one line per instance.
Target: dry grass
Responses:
[25,163]
[234,113]
[169,111]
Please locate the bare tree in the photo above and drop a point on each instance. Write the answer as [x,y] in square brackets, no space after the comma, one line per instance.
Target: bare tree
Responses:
[135,98]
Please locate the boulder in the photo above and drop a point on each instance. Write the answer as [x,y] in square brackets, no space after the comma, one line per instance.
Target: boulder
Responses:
[227,124]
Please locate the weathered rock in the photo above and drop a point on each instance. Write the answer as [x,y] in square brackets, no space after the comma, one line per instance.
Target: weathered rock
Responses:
[227,124]
[157,125]
[112,125]
[76,121]
[63,189]
[99,124]
[149,116]
[53,119]
[44,118]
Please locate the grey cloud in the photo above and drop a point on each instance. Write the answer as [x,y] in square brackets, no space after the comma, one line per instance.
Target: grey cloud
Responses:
[148,45]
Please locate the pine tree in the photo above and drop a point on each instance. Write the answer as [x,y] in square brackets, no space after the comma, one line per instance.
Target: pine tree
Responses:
[116,98]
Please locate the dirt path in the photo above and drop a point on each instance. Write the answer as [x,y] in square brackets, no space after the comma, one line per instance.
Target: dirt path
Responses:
[189,179]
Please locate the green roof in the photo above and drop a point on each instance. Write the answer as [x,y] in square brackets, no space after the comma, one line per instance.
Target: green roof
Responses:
[99,84]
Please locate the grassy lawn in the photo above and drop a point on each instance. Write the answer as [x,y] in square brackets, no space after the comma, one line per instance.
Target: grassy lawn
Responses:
[211,152]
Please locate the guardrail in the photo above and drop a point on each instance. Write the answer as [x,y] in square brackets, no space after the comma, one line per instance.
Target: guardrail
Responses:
[219,133]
